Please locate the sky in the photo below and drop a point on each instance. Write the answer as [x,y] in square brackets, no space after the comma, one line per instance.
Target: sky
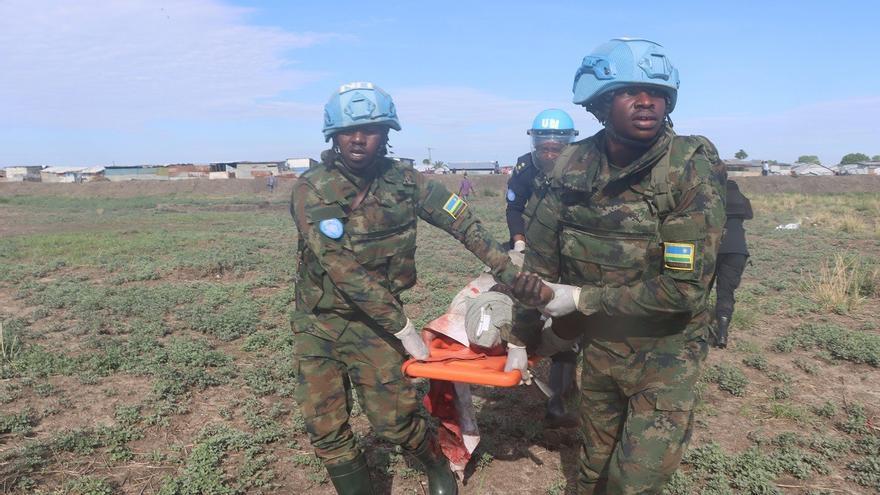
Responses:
[196,81]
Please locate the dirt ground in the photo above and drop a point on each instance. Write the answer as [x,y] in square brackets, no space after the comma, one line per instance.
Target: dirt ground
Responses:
[546,463]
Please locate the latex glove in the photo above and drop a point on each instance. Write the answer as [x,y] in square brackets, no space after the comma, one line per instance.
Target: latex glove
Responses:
[518,359]
[413,342]
[519,246]
[516,257]
[565,300]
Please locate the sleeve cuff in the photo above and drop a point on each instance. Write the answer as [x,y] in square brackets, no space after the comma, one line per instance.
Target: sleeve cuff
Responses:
[590,300]
[507,274]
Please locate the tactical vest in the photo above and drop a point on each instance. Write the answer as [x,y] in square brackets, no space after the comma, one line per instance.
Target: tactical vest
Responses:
[616,239]
[380,233]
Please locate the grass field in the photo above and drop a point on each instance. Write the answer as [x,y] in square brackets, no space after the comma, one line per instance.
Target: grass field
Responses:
[145,348]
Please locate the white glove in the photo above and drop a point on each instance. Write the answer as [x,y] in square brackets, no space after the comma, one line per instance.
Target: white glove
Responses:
[413,342]
[565,300]
[517,254]
[516,257]
[518,359]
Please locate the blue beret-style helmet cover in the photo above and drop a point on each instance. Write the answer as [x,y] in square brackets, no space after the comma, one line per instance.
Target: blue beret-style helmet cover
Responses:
[625,62]
[358,103]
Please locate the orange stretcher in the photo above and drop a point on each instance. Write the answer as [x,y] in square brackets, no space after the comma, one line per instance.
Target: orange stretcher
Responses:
[454,362]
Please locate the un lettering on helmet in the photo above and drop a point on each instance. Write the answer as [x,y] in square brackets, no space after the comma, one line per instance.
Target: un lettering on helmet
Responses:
[355,85]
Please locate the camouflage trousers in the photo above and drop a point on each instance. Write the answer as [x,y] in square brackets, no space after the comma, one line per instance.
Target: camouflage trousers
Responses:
[637,401]
[333,354]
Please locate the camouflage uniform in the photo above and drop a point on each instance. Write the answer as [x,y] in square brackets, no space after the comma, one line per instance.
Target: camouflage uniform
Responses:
[641,241]
[348,294]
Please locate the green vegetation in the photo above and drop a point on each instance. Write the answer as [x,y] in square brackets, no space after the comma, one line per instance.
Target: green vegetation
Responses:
[150,336]
[848,345]
[728,377]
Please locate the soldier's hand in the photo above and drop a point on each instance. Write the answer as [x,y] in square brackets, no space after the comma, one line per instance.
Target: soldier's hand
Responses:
[413,342]
[516,257]
[518,359]
[564,302]
[530,290]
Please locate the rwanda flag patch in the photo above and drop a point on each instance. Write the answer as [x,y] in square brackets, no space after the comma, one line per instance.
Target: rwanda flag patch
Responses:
[454,205]
[678,256]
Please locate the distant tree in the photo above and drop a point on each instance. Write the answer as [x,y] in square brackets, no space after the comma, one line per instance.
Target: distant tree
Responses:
[875,158]
[853,158]
[741,155]
[809,159]
[438,165]
[426,162]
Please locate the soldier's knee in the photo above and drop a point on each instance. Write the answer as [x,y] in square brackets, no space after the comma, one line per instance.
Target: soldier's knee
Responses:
[335,447]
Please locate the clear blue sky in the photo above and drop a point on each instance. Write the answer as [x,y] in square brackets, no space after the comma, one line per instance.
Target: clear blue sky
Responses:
[144,81]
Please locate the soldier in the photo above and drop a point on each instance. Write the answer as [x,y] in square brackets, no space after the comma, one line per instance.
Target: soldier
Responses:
[732,257]
[356,214]
[551,131]
[627,238]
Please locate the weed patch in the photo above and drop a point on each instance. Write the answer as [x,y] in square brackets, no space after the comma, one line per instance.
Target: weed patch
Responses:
[841,285]
[728,378]
[848,345]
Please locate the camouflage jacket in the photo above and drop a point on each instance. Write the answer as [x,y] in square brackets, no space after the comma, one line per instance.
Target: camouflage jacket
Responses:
[358,261]
[643,261]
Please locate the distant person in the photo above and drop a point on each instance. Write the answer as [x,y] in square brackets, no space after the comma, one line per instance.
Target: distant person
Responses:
[356,214]
[732,257]
[465,188]
[765,168]
[270,182]
[551,131]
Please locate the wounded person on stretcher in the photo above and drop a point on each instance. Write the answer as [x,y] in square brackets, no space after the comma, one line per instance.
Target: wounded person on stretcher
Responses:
[480,316]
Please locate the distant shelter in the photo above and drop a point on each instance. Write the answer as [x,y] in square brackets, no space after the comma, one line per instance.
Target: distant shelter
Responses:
[743,168]
[24,173]
[300,165]
[475,168]
[860,168]
[118,173]
[253,170]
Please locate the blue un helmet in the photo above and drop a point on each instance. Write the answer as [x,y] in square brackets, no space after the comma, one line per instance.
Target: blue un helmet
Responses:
[358,103]
[625,62]
[552,124]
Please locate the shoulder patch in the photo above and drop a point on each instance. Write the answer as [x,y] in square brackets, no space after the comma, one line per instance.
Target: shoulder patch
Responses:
[331,227]
[454,205]
[511,196]
[678,256]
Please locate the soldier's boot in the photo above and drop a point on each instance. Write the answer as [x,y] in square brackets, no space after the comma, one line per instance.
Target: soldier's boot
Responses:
[352,477]
[441,481]
[561,382]
[721,332]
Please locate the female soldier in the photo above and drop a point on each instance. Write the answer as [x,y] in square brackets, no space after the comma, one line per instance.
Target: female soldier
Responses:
[356,214]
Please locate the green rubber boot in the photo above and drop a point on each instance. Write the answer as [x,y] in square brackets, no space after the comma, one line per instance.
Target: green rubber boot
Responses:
[441,481]
[352,477]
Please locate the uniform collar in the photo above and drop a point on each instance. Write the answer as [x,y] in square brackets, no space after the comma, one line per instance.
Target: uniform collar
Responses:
[359,181]
[648,159]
